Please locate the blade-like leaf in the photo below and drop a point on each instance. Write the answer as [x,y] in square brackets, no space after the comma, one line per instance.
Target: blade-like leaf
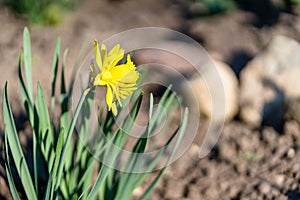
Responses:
[45,132]
[49,186]
[54,73]
[24,94]
[28,100]
[179,139]
[84,192]
[11,183]
[16,149]
[99,182]
[28,62]
[68,137]
[64,100]
[55,168]
[127,180]
[10,179]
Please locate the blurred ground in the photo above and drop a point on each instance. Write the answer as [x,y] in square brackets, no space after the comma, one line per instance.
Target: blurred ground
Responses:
[246,163]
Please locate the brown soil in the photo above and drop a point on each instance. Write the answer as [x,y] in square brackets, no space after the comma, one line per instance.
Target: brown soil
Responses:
[245,163]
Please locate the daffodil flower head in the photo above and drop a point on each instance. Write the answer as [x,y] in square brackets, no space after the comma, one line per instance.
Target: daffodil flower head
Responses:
[120,80]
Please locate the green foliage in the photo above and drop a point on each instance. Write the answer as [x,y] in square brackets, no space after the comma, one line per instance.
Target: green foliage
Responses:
[41,11]
[289,4]
[252,156]
[208,7]
[64,168]
[217,6]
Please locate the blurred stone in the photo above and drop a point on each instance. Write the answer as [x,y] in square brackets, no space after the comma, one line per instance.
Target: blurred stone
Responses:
[291,153]
[268,80]
[294,186]
[179,58]
[138,192]
[231,91]
[279,180]
[265,188]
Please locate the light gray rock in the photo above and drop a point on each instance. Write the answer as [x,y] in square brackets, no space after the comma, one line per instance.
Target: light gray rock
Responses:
[230,88]
[268,81]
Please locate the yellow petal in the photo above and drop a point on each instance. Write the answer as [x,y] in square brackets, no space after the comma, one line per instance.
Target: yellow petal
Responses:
[114,109]
[97,55]
[124,71]
[114,56]
[117,93]
[129,60]
[120,80]
[109,97]
[130,77]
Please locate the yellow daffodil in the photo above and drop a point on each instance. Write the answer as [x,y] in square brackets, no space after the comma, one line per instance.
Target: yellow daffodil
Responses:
[119,80]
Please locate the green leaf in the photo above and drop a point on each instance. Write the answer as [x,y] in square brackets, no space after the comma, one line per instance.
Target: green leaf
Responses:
[127,180]
[68,137]
[65,118]
[45,132]
[10,179]
[49,186]
[24,94]
[16,149]
[84,181]
[54,73]
[157,114]
[27,95]
[58,154]
[65,121]
[99,181]
[28,61]
[178,141]
[84,193]
[11,183]
[63,82]
[113,151]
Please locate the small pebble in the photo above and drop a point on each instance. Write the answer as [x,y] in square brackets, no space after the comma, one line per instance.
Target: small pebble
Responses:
[138,191]
[294,186]
[265,188]
[296,168]
[291,153]
[279,179]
